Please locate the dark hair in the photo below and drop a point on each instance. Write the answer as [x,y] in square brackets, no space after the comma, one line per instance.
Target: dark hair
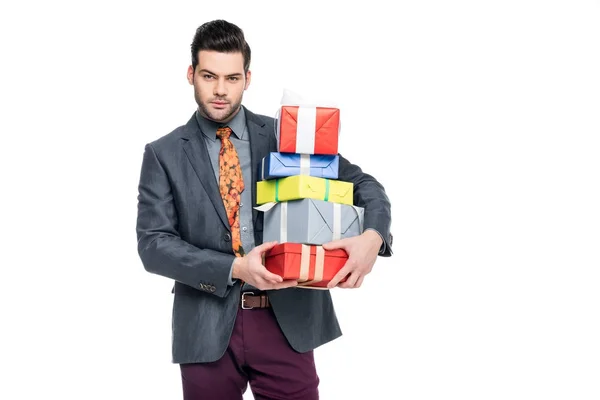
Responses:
[222,36]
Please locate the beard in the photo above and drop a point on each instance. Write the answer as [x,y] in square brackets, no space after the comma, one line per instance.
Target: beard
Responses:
[223,115]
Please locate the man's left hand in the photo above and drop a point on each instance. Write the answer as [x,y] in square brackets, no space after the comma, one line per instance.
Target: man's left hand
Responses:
[362,253]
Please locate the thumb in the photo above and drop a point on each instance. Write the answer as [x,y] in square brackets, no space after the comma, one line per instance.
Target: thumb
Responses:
[265,247]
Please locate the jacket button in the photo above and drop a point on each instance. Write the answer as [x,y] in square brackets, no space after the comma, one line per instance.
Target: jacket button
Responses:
[227,237]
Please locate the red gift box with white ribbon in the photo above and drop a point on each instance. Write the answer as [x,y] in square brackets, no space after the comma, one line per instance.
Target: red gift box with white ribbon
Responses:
[308,130]
[311,265]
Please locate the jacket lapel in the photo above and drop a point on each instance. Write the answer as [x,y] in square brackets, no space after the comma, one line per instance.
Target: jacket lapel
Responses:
[260,146]
[197,153]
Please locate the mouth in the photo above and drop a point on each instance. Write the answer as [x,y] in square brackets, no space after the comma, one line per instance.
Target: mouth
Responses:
[219,104]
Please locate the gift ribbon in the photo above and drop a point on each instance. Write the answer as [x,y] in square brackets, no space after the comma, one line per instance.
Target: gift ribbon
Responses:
[283,226]
[304,164]
[305,265]
[337,221]
[326,195]
[276,190]
[306,126]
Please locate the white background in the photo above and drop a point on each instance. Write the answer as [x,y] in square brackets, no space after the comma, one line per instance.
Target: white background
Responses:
[481,118]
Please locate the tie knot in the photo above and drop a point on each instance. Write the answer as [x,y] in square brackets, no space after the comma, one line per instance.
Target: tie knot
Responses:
[224,132]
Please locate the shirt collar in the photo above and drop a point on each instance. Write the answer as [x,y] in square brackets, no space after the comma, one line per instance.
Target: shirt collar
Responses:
[237,125]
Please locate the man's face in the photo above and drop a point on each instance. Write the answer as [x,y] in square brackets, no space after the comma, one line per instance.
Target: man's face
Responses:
[219,83]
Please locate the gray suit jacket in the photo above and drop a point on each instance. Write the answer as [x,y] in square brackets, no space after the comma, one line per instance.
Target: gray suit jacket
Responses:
[183,234]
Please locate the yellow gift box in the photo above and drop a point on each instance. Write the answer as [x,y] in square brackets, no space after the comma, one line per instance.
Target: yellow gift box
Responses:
[304,187]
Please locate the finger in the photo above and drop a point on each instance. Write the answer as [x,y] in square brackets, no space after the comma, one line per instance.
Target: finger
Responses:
[346,269]
[360,281]
[288,283]
[335,244]
[265,273]
[260,283]
[345,284]
[270,277]
[263,284]
[351,281]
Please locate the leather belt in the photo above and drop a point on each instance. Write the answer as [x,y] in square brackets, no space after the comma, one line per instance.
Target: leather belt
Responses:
[250,300]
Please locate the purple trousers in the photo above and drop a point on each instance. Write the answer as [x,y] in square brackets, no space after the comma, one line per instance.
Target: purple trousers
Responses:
[257,354]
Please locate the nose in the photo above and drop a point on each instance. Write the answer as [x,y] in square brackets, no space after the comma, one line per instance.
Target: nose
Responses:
[220,89]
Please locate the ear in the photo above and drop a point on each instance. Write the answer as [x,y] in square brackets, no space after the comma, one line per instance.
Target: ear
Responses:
[190,75]
[248,76]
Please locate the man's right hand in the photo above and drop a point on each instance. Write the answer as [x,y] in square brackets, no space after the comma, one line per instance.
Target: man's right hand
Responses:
[250,269]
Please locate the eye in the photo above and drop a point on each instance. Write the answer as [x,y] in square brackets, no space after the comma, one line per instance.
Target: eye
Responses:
[207,76]
[234,78]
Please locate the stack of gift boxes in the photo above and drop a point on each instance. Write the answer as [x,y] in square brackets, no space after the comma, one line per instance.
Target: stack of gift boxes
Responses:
[304,203]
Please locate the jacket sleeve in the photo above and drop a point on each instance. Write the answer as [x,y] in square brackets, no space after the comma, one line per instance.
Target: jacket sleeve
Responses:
[160,247]
[371,195]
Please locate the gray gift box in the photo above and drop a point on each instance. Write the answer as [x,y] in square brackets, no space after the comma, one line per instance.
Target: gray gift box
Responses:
[310,221]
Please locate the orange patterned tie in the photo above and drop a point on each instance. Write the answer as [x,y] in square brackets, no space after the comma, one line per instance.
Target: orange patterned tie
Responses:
[231,186]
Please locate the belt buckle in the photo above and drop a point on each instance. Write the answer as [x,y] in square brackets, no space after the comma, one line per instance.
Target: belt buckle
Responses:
[244,300]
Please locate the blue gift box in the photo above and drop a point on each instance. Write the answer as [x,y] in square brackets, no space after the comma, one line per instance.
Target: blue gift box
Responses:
[279,165]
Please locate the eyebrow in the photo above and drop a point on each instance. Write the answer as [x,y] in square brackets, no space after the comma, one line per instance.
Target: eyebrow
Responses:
[212,73]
